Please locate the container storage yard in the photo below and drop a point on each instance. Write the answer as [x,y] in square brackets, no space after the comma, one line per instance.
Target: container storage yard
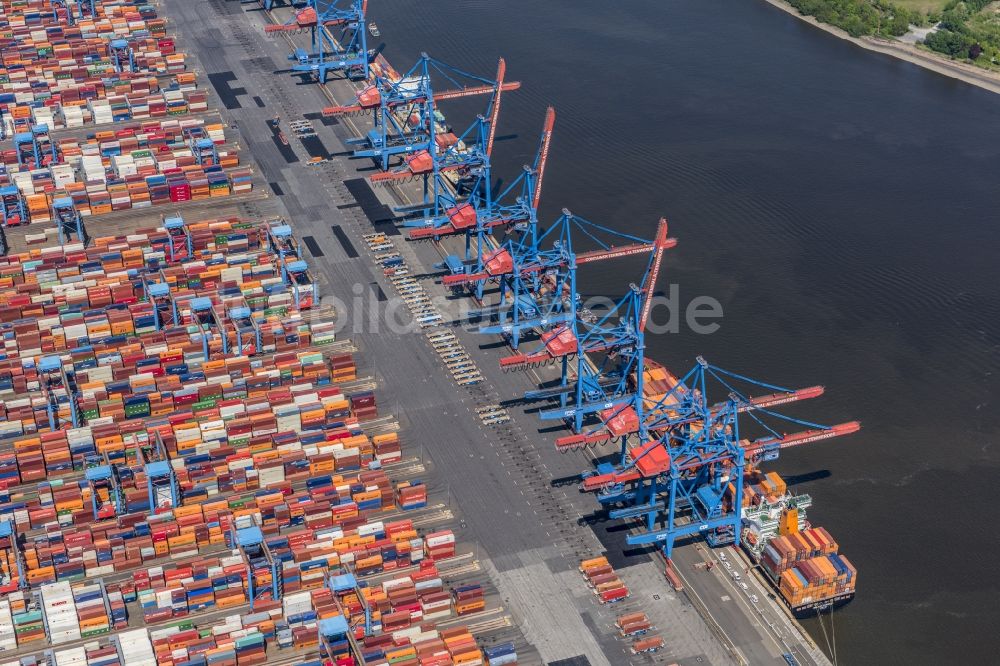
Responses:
[208,457]
[194,472]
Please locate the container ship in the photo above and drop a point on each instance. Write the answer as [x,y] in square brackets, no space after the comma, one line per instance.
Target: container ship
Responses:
[802,563]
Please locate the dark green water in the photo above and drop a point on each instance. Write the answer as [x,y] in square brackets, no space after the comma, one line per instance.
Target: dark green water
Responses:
[842,206]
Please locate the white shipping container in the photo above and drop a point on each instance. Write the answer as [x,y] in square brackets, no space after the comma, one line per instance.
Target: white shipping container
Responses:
[435,540]
[271,475]
[136,648]
[76,656]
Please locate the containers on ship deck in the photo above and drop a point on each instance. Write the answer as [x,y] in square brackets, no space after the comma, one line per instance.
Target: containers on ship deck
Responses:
[806,568]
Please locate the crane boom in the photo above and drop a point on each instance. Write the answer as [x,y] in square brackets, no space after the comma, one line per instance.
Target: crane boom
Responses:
[435,97]
[573,442]
[400,176]
[799,438]
[624,251]
[661,243]
[501,71]
[543,155]
[598,481]
[304,18]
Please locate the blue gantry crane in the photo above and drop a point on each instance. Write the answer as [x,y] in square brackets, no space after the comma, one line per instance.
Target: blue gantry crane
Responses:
[536,274]
[161,485]
[204,150]
[108,473]
[106,497]
[13,207]
[60,389]
[466,155]
[347,583]
[122,55]
[404,114]
[246,323]
[684,476]
[12,576]
[514,208]
[74,9]
[337,637]
[622,423]
[68,220]
[179,243]
[611,345]
[166,313]
[35,149]
[346,52]
[281,240]
[264,580]
[295,274]
[205,319]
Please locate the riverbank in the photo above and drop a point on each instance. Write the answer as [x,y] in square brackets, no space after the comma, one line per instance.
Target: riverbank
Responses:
[912,54]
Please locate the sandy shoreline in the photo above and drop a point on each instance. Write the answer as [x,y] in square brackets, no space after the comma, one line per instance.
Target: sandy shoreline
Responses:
[956,70]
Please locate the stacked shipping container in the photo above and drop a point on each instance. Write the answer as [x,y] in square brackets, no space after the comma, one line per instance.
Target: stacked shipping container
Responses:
[58,77]
[152,147]
[266,434]
[601,577]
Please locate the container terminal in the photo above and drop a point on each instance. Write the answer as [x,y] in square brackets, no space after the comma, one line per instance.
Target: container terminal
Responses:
[205,462]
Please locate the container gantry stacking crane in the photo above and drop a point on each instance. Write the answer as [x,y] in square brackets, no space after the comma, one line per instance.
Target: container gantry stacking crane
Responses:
[106,497]
[264,581]
[122,55]
[11,580]
[204,150]
[281,240]
[68,221]
[684,476]
[347,53]
[294,269]
[108,472]
[74,9]
[178,244]
[60,393]
[35,149]
[13,207]
[403,107]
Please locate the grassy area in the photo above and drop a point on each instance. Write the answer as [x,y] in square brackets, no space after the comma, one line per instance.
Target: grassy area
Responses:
[922,6]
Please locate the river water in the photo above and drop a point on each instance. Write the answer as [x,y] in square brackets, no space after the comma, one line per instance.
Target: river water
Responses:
[842,207]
